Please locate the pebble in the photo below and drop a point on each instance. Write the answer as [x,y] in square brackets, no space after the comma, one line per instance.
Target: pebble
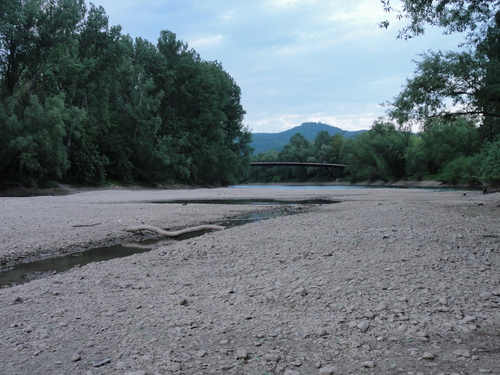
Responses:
[363,325]
[241,354]
[272,357]
[381,306]
[75,357]
[292,372]
[462,353]
[428,355]
[467,319]
[368,364]
[402,328]
[173,367]
[328,370]
[486,295]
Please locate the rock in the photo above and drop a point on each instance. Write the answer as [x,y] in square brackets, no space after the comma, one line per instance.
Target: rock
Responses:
[447,325]
[272,357]
[201,353]
[75,357]
[136,373]
[462,353]
[486,295]
[328,370]
[173,367]
[368,364]
[381,306]
[183,302]
[402,328]
[467,319]
[323,332]
[428,355]
[241,354]
[292,372]
[363,325]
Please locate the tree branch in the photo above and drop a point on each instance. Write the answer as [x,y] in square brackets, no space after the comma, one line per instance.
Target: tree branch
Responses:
[152,228]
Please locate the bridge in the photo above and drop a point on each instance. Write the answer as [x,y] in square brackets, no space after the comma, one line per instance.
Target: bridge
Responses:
[328,166]
[294,164]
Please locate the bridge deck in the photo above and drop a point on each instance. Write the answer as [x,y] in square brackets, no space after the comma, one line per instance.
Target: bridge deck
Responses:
[295,164]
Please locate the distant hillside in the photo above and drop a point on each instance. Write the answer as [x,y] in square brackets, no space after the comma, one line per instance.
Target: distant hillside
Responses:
[263,142]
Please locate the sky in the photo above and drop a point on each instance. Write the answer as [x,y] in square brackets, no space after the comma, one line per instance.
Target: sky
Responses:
[295,60]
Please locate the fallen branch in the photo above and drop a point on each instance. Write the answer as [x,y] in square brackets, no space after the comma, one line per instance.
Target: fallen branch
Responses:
[151,228]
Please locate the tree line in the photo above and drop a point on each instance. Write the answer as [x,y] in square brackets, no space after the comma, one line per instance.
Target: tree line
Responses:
[453,98]
[83,103]
[452,152]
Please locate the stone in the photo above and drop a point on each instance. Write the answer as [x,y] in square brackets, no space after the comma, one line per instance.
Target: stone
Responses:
[292,372]
[173,367]
[462,353]
[467,319]
[328,370]
[368,364]
[381,306]
[428,355]
[201,353]
[75,357]
[272,357]
[486,295]
[241,354]
[402,328]
[363,325]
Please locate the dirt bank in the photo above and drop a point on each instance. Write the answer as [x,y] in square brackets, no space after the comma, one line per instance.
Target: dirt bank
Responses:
[388,281]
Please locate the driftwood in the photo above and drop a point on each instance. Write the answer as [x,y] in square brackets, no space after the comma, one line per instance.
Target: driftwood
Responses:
[177,233]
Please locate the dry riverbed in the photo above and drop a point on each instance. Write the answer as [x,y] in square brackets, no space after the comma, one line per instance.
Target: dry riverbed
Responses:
[389,281]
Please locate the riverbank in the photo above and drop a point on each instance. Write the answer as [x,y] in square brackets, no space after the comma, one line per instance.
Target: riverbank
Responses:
[388,281]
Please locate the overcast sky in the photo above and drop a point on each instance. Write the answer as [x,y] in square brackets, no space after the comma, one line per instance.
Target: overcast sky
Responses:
[294,60]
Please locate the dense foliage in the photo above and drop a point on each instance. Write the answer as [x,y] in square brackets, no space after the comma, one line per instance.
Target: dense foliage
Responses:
[446,150]
[81,102]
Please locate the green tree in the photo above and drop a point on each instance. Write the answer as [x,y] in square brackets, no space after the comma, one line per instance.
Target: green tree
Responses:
[299,150]
[473,16]
[379,154]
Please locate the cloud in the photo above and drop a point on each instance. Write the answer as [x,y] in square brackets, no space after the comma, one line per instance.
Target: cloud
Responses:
[210,41]
[295,60]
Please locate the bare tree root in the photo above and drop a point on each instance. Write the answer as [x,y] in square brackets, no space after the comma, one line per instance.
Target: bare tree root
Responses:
[151,228]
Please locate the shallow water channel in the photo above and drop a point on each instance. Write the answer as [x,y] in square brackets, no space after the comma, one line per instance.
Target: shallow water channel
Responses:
[25,272]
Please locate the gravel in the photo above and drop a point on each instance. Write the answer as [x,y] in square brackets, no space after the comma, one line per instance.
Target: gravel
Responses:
[389,281]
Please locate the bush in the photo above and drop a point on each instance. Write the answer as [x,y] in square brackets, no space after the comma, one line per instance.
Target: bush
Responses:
[459,171]
[488,170]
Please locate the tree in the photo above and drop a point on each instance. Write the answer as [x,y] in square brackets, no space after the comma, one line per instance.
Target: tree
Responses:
[109,107]
[473,16]
[455,84]
[379,154]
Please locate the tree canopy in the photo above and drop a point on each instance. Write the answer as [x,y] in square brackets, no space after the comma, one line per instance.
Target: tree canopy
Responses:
[472,16]
[80,101]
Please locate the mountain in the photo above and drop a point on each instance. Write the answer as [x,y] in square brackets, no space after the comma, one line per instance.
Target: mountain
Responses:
[263,142]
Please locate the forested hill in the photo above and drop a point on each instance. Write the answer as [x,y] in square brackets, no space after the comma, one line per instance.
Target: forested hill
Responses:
[83,103]
[263,142]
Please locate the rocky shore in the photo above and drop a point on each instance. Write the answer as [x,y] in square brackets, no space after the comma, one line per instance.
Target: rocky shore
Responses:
[388,281]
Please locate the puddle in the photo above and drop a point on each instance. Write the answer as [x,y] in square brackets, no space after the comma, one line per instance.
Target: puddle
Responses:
[25,272]
[249,201]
